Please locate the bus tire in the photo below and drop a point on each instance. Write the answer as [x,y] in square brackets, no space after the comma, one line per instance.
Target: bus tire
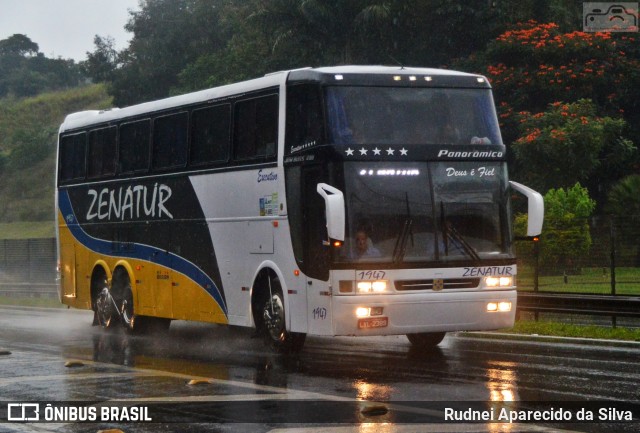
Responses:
[126,310]
[274,323]
[104,312]
[123,296]
[426,340]
[101,302]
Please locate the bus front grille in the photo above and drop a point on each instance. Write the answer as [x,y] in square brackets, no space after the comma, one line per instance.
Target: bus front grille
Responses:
[436,284]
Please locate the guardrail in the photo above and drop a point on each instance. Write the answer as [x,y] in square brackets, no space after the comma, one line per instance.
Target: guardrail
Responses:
[573,303]
[29,290]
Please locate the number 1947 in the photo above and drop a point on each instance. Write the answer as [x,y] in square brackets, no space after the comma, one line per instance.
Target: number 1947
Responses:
[371,275]
[319,313]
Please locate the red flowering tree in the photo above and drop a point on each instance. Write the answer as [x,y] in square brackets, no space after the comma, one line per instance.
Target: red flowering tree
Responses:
[569,143]
[536,64]
[597,75]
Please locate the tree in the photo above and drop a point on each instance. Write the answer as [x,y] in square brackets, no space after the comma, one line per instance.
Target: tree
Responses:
[624,208]
[24,82]
[409,32]
[532,67]
[102,63]
[329,30]
[26,72]
[14,76]
[535,64]
[168,35]
[18,45]
[31,144]
[245,55]
[219,41]
[566,236]
[569,143]
[624,200]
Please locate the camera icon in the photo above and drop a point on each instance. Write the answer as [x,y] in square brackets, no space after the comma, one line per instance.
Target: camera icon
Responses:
[610,17]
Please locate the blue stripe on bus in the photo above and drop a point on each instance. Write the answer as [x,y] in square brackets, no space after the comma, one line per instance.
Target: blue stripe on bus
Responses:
[139,251]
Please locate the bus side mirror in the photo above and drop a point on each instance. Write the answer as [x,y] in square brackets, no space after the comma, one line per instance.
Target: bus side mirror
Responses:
[334,211]
[535,208]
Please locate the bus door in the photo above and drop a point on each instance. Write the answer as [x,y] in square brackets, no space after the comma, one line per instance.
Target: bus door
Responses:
[316,252]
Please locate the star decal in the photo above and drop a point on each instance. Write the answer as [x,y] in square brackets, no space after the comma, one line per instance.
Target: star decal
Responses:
[364,151]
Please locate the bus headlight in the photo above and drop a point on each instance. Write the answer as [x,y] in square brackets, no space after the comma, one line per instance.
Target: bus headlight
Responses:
[363,312]
[498,281]
[378,286]
[499,307]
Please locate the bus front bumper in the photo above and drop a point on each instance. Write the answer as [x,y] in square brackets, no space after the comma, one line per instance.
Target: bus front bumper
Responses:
[397,314]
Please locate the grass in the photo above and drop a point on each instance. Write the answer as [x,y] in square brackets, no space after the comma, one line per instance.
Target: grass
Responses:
[31,302]
[27,230]
[590,280]
[557,329]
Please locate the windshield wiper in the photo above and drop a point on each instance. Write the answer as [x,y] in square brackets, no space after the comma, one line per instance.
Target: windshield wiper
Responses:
[400,248]
[452,234]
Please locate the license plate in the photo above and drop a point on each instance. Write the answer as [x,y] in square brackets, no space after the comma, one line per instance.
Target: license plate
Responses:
[373,322]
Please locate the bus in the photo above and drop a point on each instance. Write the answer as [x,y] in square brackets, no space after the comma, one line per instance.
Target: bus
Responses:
[334,201]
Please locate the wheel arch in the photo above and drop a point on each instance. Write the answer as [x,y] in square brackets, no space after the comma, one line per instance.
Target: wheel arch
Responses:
[260,290]
[100,269]
[130,272]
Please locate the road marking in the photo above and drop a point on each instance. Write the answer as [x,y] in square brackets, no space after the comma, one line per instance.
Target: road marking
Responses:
[274,394]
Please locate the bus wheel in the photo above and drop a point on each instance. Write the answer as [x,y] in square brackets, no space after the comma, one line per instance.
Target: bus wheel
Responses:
[105,308]
[426,340]
[275,331]
[126,308]
[121,289]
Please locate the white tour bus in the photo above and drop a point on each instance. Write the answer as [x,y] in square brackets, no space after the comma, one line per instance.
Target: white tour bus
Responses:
[349,200]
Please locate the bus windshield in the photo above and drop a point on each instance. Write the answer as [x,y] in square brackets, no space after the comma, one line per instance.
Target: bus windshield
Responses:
[424,212]
[362,115]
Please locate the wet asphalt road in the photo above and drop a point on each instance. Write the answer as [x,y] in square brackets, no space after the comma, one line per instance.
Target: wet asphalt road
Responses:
[202,377]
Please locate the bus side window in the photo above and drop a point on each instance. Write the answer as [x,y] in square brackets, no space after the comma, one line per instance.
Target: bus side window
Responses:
[72,156]
[210,131]
[256,128]
[304,117]
[170,140]
[102,152]
[134,147]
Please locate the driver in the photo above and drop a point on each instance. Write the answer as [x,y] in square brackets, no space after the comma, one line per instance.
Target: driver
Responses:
[364,246]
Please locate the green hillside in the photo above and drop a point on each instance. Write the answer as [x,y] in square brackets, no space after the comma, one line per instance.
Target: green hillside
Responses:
[28,133]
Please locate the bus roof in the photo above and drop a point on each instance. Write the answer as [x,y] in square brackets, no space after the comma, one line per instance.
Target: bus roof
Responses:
[393,70]
[389,76]
[91,117]
[323,74]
